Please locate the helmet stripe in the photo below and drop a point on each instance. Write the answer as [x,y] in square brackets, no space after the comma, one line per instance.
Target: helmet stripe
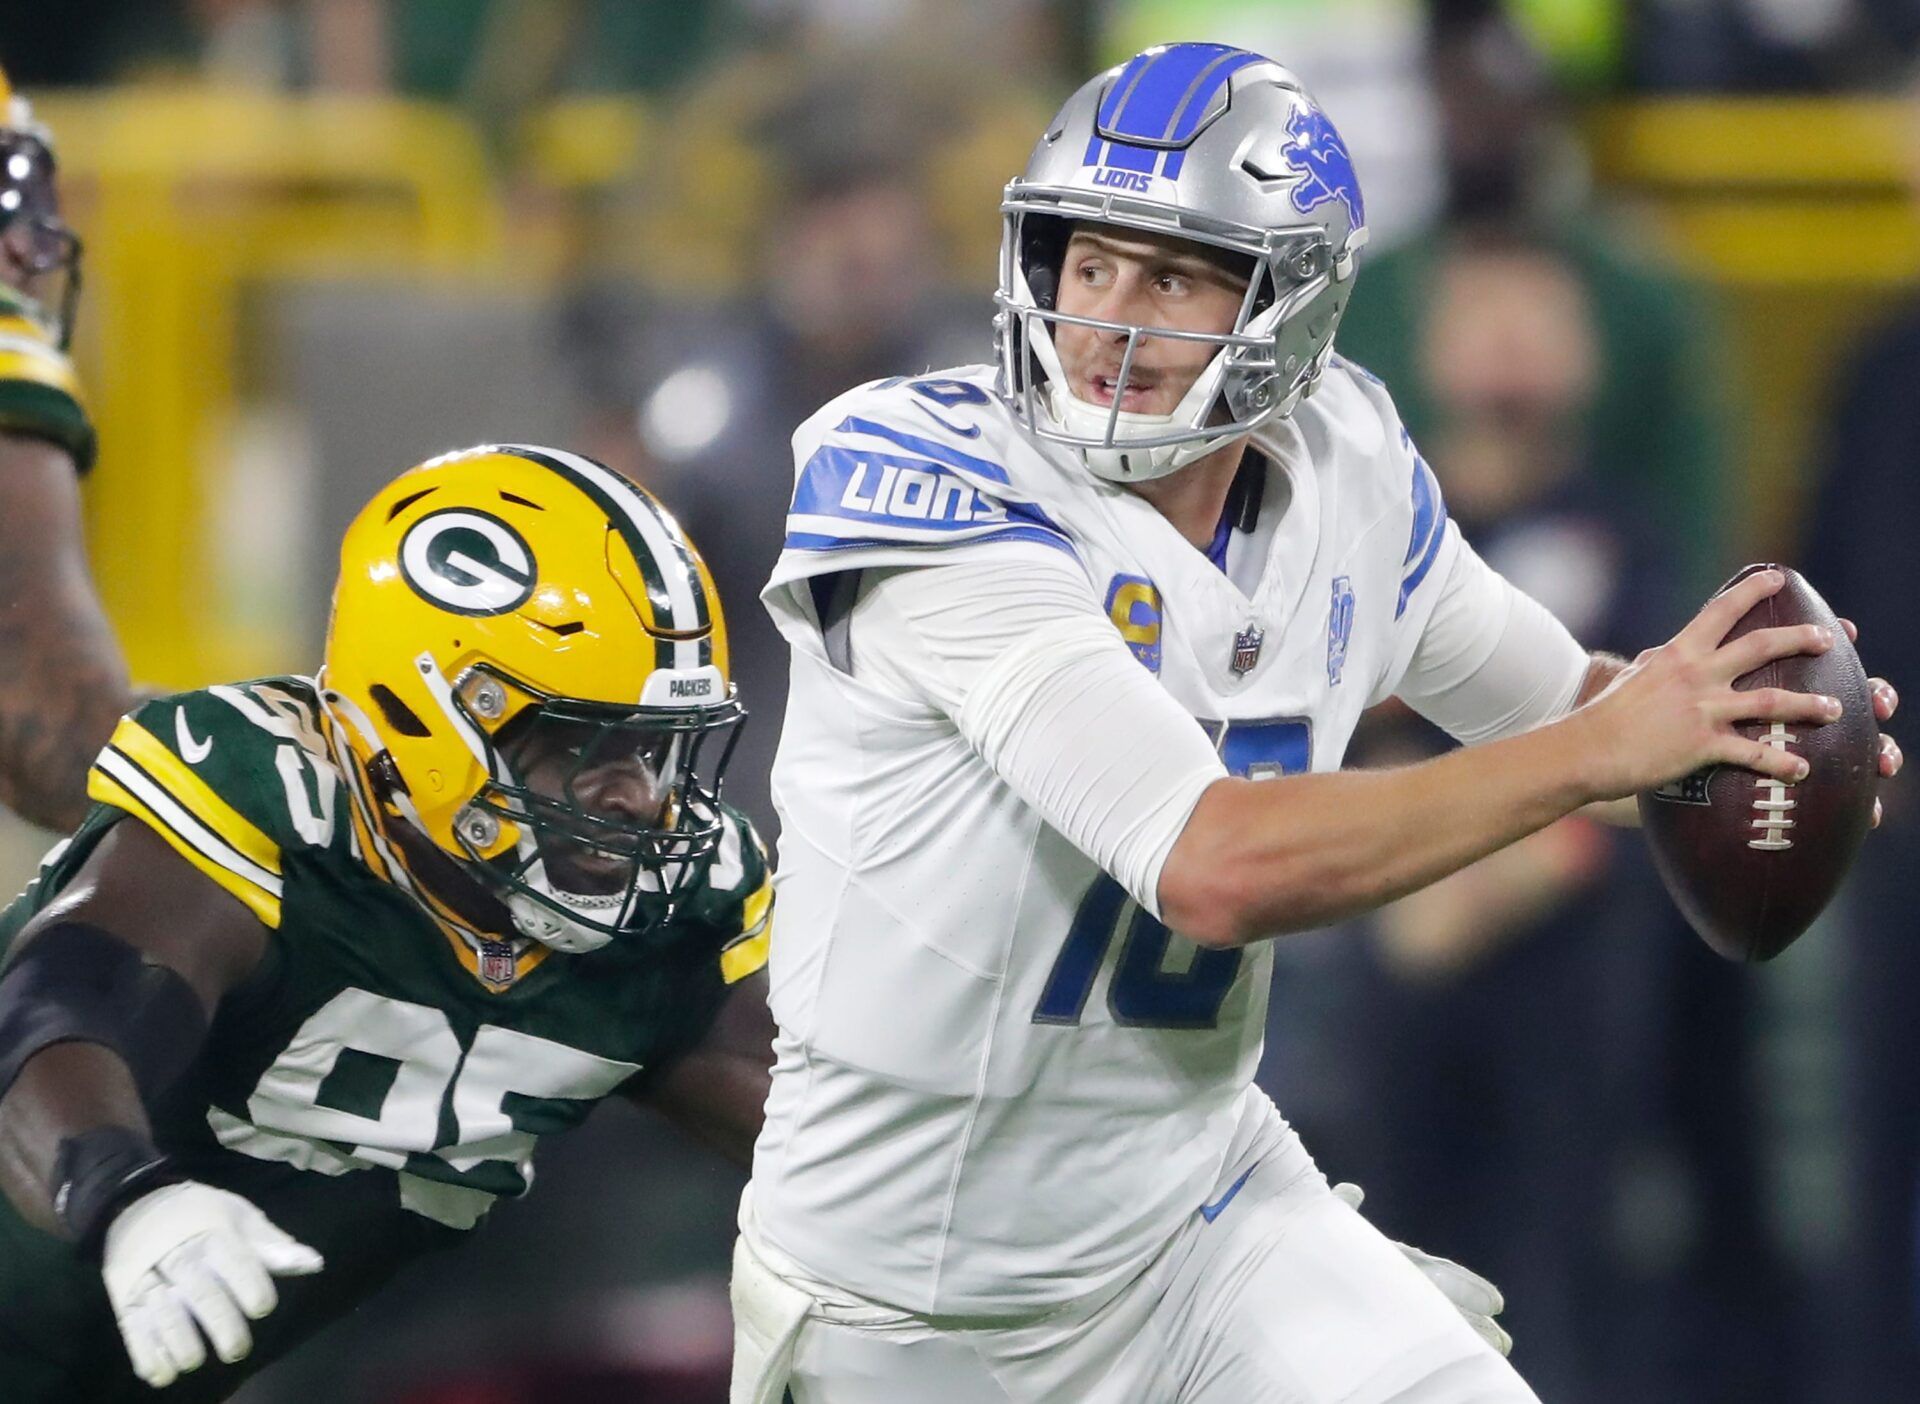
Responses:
[1123,87]
[1149,112]
[656,540]
[1161,97]
[1199,99]
[1117,95]
[1122,156]
[1199,96]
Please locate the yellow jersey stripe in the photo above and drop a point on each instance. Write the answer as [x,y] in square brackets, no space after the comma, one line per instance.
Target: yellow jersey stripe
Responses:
[193,794]
[747,952]
[745,956]
[28,358]
[753,912]
[136,782]
[263,904]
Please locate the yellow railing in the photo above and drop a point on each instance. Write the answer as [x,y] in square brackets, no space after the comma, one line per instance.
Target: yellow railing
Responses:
[1779,192]
[1803,214]
[184,199]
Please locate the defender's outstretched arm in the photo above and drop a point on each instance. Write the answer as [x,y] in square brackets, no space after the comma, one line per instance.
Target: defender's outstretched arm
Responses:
[104,999]
[63,681]
[81,1056]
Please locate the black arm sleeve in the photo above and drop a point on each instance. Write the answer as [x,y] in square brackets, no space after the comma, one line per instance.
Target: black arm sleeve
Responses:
[74,982]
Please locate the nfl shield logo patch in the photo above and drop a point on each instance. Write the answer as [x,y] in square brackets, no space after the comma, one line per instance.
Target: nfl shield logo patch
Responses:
[1246,650]
[497,963]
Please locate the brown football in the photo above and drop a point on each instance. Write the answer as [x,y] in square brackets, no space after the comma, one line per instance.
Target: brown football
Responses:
[1750,861]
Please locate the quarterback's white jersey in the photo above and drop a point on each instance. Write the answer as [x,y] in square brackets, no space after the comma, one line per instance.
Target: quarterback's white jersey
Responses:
[1001,1083]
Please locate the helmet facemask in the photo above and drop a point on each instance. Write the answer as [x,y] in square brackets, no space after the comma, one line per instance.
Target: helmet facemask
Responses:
[1203,144]
[36,246]
[596,821]
[1261,369]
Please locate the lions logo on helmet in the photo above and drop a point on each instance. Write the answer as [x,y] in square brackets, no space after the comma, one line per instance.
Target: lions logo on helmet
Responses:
[1327,170]
[527,664]
[1198,142]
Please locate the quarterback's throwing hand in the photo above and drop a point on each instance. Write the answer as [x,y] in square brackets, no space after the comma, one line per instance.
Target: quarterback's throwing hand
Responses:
[1675,709]
[188,1256]
[1475,1298]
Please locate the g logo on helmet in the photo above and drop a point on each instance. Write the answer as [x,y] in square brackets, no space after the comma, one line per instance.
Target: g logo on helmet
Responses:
[467,562]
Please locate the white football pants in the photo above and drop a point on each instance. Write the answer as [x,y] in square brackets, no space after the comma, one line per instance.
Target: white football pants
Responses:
[1283,1296]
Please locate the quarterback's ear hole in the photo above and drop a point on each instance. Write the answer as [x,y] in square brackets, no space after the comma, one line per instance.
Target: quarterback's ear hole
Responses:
[514,497]
[407,502]
[399,715]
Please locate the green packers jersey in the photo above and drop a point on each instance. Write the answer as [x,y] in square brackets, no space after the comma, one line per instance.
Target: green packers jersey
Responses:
[384,1075]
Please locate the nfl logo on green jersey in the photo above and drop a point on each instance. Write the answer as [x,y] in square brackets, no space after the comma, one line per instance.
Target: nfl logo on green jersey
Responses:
[496,963]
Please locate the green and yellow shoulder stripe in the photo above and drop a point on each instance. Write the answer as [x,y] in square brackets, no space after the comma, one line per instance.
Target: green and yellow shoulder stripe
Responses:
[742,878]
[231,777]
[747,952]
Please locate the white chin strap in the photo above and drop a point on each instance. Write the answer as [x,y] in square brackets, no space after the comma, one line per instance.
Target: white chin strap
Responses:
[1078,418]
[556,928]
[550,928]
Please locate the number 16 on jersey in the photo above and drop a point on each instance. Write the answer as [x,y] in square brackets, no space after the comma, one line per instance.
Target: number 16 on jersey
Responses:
[1144,992]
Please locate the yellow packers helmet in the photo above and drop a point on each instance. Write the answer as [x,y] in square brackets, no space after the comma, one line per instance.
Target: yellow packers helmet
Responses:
[39,255]
[507,592]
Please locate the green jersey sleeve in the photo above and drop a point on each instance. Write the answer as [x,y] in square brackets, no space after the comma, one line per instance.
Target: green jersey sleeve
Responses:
[717,938]
[737,905]
[236,778]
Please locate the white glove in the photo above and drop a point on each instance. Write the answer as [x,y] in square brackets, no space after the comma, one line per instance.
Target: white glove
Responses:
[190,1253]
[1475,1298]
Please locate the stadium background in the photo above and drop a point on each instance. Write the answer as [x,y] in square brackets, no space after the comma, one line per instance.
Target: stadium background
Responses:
[1641,277]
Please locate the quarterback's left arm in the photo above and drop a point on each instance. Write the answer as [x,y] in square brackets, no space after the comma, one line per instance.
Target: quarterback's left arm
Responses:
[717,1090]
[1491,661]
[1602,669]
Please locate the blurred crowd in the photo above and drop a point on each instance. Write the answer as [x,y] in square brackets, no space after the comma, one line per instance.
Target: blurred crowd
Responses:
[449,48]
[1693,1181]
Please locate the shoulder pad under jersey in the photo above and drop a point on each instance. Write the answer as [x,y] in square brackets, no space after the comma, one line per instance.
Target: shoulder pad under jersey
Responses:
[902,467]
[234,777]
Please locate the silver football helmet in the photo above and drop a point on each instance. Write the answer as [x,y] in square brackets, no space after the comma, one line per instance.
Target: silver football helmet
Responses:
[1200,142]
